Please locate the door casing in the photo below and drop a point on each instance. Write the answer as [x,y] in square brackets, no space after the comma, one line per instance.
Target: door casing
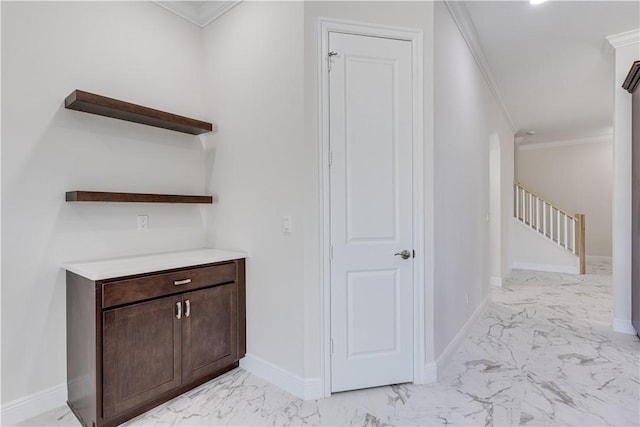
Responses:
[325,26]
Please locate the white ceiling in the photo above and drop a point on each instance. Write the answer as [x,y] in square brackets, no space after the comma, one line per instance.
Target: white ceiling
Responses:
[552,64]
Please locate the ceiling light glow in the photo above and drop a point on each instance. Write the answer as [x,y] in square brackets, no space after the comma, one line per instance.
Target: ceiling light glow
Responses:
[537,1]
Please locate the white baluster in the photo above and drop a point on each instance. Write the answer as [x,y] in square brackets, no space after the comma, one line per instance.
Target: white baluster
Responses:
[551,222]
[573,233]
[524,205]
[518,206]
[551,228]
[558,221]
[519,203]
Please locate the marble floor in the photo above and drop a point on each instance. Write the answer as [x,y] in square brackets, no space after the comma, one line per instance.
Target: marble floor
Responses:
[542,353]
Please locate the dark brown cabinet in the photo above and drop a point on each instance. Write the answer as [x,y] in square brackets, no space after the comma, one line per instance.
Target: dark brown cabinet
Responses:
[141,354]
[209,331]
[150,337]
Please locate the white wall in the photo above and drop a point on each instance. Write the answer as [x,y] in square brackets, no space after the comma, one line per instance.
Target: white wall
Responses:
[465,117]
[624,57]
[576,177]
[495,211]
[501,150]
[122,50]
[531,251]
[262,83]
[507,148]
[258,67]
[255,163]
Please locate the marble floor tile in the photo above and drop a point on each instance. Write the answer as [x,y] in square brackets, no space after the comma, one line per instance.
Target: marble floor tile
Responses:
[542,353]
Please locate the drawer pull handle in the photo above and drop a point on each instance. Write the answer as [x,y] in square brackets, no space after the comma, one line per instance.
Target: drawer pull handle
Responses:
[179,306]
[187,308]
[181,282]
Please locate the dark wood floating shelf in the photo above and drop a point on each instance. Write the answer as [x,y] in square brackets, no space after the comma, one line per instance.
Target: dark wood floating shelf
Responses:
[101,196]
[633,78]
[109,107]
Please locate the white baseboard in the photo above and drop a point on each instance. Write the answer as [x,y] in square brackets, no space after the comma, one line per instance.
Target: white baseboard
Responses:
[569,269]
[623,326]
[496,282]
[304,388]
[461,335]
[430,373]
[35,404]
[313,389]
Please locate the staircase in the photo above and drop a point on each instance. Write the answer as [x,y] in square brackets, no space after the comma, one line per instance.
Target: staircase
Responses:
[552,223]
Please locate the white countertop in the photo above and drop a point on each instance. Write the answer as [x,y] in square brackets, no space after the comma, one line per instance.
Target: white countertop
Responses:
[128,266]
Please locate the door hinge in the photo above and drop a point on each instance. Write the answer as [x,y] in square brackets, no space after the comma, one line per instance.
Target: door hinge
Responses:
[414,253]
[329,60]
[330,252]
[330,157]
[331,346]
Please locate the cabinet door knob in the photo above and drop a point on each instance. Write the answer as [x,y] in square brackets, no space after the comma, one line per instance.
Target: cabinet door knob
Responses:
[181,282]
[179,306]
[187,308]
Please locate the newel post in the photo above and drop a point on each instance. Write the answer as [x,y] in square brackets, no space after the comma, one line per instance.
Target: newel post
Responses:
[580,239]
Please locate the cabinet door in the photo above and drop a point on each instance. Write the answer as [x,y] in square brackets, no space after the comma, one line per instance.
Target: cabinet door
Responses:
[209,331]
[142,353]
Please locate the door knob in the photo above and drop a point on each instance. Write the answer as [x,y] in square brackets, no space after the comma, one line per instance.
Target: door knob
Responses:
[404,254]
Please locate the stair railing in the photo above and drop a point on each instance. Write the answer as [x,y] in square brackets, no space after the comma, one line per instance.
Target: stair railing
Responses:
[565,230]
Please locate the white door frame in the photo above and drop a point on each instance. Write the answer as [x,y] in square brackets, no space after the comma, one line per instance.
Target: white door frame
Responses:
[325,26]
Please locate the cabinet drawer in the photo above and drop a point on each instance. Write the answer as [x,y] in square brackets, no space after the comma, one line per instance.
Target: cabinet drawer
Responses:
[132,290]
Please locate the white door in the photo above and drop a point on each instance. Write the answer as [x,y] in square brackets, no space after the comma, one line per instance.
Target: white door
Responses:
[370,113]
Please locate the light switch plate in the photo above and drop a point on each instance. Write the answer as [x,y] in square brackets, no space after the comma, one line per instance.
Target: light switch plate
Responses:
[143,223]
[286,224]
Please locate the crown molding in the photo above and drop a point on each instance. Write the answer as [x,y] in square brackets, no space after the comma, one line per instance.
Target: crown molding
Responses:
[624,39]
[598,139]
[209,11]
[465,25]
[198,13]
[182,9]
